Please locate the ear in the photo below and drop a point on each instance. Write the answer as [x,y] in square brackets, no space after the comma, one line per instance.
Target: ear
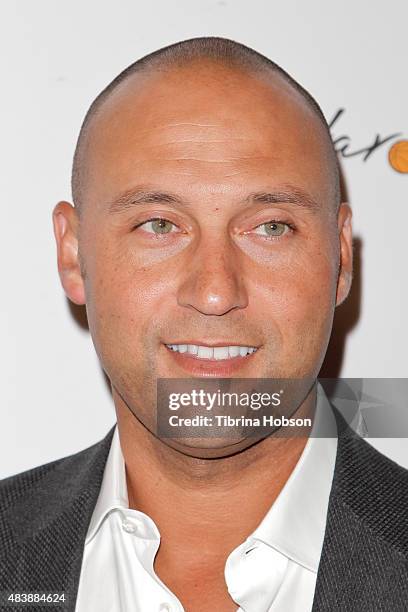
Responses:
[66,223]
[346,253]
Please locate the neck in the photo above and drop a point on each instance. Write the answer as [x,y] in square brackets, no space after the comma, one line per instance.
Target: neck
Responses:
[216,501]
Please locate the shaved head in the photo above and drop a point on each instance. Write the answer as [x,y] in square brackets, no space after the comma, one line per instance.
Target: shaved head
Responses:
[207,50]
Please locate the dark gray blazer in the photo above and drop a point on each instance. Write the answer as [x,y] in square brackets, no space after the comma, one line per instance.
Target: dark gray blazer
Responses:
[45,512]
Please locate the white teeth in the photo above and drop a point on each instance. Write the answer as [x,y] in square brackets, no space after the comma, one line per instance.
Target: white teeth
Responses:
[233,351]
[221,352]
[205,352]
[213,352]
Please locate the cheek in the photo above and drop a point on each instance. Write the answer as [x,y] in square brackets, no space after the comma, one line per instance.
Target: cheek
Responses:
[122,301]
[310,311]
[295,298]
[298,278]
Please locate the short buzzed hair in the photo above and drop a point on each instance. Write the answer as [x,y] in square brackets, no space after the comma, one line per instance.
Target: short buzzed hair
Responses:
[223,50]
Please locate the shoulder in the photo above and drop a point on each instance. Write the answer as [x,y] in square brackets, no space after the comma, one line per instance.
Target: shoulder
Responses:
[48,488]
[14,486]
[373,488]
[363,564]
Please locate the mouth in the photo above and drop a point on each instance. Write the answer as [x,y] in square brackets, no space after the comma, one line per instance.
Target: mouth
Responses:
[217,353]
[222,359]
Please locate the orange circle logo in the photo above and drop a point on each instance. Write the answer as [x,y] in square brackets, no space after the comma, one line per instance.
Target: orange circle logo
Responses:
[398,156]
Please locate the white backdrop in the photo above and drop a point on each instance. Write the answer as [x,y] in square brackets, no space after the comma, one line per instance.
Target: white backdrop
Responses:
[56,56]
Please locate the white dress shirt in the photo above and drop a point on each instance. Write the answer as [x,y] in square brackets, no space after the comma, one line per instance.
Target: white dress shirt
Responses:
[273,570]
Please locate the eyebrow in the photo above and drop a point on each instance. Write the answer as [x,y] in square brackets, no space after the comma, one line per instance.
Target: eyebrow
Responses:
[289,195]
[134,197]
[138,196]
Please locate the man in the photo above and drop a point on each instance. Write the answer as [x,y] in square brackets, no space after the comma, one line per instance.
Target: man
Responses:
[207,240]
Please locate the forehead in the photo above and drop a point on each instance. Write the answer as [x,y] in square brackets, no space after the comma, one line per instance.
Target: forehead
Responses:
[205,127]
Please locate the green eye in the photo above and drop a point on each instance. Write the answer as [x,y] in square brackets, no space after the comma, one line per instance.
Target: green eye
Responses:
[159,226]
[272,228]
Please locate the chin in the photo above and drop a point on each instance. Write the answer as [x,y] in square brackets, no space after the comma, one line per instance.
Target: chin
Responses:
[207,448]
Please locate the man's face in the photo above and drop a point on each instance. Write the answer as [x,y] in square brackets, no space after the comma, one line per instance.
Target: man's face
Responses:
[244,247]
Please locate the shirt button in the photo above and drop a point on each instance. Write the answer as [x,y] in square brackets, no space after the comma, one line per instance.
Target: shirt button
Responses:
[165,607]
[128,526]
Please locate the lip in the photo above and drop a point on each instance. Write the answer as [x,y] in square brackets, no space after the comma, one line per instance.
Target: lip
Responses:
[222,368]
[212,343]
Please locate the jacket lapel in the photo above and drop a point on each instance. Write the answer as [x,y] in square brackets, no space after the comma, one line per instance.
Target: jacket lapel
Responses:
[363,565]
[45,519]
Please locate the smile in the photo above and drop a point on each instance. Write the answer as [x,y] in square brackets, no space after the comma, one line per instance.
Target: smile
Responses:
[201,351]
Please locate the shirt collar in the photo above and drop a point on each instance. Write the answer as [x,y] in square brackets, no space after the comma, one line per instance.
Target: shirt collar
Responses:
[113,493]
[295,524]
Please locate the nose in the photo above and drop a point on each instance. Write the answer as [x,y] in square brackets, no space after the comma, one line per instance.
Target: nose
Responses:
[213,283]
